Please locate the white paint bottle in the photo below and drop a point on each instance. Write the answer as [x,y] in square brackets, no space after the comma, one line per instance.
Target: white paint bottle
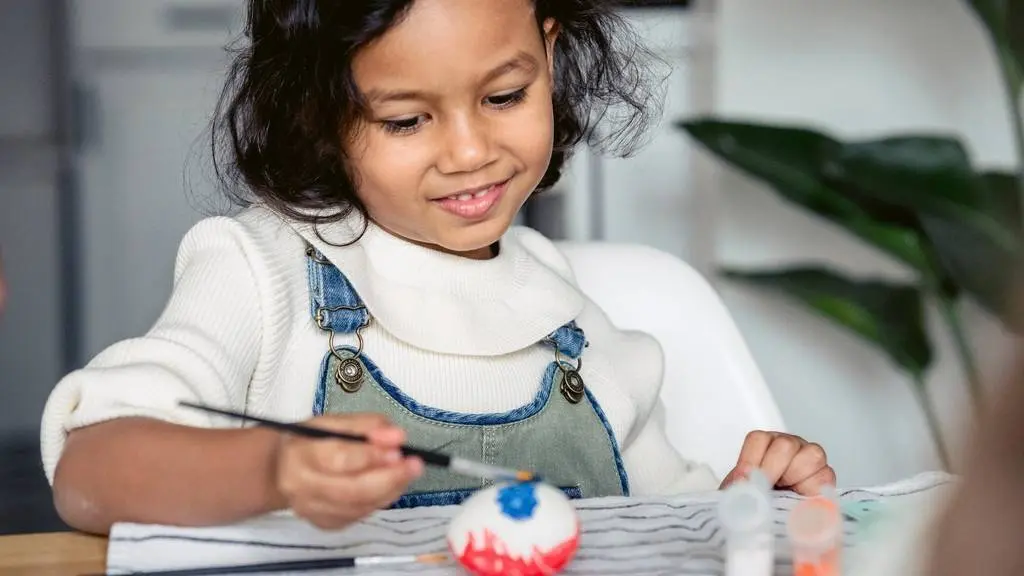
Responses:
[745,513]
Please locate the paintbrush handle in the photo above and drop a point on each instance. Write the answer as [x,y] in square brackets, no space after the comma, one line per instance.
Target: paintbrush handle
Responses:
[299,565]
[296,566]
[427,456]
[299,429]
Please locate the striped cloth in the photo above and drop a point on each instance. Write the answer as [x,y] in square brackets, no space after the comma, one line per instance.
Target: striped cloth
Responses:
[635,536]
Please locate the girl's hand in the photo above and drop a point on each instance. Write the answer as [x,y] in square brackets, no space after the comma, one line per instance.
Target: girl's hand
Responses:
[788,462]
[333,483]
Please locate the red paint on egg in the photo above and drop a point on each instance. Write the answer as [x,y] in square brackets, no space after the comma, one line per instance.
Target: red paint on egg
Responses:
[491,557]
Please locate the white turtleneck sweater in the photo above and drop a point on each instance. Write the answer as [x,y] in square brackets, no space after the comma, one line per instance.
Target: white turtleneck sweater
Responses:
[454,333]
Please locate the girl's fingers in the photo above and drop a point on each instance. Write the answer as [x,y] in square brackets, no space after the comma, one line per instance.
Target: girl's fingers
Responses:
[779,456]
[810,460]
[738,473]
[387,437]
[380,487]
[812,486]
[755,445]
[337,457]
[787,461]
[327,515]
[368,490]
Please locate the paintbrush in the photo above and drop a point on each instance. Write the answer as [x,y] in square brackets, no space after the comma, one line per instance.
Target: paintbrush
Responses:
[300,565]
[454,463]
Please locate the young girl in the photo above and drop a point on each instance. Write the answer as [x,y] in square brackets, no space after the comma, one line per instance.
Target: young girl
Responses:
[374,283]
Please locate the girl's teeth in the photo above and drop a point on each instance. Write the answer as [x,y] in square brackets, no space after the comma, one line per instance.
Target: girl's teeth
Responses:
[464,197]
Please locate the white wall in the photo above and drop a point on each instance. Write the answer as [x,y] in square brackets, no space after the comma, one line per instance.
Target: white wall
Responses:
[648,198]
[859,68]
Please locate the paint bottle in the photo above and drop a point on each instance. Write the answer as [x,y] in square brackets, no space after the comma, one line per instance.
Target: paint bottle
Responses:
[745,513]
[815,529]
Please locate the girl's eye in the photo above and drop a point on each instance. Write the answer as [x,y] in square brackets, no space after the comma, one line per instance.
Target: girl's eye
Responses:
[507,100]
[402,125]
[414,123]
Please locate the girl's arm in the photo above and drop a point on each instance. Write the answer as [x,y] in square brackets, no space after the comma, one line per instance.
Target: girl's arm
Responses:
[147,471]
[115,443]
[118,447]
[656,468]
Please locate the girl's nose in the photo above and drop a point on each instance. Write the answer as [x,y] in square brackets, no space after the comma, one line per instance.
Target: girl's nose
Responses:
[467,147]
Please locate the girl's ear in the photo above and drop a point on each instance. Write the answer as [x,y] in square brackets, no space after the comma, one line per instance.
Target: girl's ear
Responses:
[551,29]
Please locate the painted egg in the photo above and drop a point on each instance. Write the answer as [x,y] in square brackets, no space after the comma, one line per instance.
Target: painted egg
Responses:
[521,529]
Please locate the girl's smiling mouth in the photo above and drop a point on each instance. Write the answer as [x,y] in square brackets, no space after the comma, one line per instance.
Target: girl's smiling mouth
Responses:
[474,203]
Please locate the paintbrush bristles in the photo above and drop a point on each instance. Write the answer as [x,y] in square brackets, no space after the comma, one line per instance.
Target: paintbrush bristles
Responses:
[491,472]
[437,558]
[433,559]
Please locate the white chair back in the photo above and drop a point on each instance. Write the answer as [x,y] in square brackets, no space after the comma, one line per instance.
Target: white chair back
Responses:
[713,392]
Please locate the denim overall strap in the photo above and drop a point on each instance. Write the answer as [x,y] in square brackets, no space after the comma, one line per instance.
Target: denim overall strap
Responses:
[569,340]
[334,304]
[562,434]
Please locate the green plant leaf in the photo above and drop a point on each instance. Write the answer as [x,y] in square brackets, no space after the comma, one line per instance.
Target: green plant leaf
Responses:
[1000,196]
[790,160]
[885,314]
[986,270]
[931,175]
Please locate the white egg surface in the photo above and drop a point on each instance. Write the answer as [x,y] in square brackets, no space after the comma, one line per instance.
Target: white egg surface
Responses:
[521,529]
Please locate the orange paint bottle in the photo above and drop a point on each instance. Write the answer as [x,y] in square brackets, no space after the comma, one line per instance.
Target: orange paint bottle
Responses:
[815,531]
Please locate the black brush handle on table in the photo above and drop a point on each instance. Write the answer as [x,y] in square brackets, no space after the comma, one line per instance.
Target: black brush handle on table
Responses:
[317,564]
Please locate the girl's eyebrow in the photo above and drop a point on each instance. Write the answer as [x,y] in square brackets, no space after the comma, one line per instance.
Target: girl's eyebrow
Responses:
[521,62]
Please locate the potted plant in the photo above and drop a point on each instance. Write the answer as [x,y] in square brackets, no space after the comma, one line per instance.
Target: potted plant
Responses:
[916,197]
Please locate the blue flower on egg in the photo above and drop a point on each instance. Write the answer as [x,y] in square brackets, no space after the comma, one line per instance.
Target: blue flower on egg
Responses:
[518,501]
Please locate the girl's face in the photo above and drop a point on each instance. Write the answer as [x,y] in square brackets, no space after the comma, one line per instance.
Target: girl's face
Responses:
[459,128]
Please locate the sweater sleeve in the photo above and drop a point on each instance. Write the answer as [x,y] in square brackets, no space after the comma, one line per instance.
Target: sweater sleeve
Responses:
[655,468]
[653,465]
[204,347]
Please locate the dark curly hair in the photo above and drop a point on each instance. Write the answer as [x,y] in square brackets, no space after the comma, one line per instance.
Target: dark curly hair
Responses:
[290,96]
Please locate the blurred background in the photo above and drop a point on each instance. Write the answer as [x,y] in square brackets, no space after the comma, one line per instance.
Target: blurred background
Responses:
[103,167]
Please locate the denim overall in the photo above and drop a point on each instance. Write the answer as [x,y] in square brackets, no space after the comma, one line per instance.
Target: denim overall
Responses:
[562,434]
